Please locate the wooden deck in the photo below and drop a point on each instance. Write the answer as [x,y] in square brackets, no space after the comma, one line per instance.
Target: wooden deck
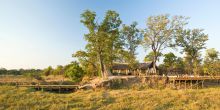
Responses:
[194,78]
[187,82]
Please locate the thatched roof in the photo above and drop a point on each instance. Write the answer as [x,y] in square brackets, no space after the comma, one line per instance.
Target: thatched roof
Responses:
[121,66]
[124,66]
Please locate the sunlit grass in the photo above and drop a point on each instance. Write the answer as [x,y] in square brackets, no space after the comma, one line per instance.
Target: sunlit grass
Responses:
[24,98]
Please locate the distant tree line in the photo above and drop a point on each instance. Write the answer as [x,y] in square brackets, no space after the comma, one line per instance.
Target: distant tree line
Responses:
[4,71]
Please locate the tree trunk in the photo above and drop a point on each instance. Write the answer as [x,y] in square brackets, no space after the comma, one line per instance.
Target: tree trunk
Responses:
[105,72]
[154,63]
[101,66]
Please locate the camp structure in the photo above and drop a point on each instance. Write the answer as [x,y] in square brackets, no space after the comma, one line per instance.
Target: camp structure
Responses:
[125,69]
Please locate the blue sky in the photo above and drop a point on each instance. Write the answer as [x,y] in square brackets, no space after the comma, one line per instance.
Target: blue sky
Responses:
[39,33]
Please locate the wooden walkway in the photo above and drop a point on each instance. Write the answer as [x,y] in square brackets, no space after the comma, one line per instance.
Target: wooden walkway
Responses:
[194,78]
[187,82]
[52,87]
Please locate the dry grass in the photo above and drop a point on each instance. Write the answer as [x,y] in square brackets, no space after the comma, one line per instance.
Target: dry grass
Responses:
[120,99]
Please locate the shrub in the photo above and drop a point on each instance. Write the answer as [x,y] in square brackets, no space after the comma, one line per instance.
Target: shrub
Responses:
[74,72]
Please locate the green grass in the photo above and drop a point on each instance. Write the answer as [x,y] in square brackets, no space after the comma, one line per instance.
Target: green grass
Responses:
[120,99]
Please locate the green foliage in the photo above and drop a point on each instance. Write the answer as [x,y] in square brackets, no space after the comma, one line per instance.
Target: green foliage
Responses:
[172,63]
[211,55]
[169,59]
[48,71]
[131,39]
[150,57]
[179,63]
[88,62]
[33,75]
[192,42]
[59,70]
[74,72]
[212,68]
[212,62]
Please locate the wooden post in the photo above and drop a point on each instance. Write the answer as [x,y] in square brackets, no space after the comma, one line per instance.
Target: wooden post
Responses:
[59,89]
[197,85]
[179,84]
[16,84]
[38,86]
[191,84]
[185,84]
[202,83]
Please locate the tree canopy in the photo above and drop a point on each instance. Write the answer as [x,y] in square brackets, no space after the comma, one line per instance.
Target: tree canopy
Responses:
[160,33]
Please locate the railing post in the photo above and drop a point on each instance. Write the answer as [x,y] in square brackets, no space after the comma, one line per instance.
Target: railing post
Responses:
[202,83]
[16,84]
[197,84]
[191,84]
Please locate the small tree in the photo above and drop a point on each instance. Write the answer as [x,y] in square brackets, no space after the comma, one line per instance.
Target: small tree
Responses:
[48,71]
[74,72]
[59,70]
[211,55]
[169,60]
[211,62]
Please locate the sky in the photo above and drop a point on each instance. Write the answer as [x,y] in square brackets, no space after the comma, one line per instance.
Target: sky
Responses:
[39,33]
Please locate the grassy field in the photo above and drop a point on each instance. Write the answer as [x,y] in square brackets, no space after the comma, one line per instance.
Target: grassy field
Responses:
[124,99]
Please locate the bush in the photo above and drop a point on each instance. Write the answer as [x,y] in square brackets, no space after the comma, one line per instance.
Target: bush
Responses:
[74,72]
[34,75]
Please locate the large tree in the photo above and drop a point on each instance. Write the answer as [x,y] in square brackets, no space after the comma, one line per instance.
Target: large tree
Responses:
[192,42]
[103,41]
[160,33]
[131,38]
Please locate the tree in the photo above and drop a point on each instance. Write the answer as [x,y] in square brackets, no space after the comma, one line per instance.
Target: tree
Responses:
[211,62]
[131,37]
[169,60]
[192,42]
[59,70]
[103,41]
[3,71]
[160,33]
[211,55]
[74,72]
[48,71]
